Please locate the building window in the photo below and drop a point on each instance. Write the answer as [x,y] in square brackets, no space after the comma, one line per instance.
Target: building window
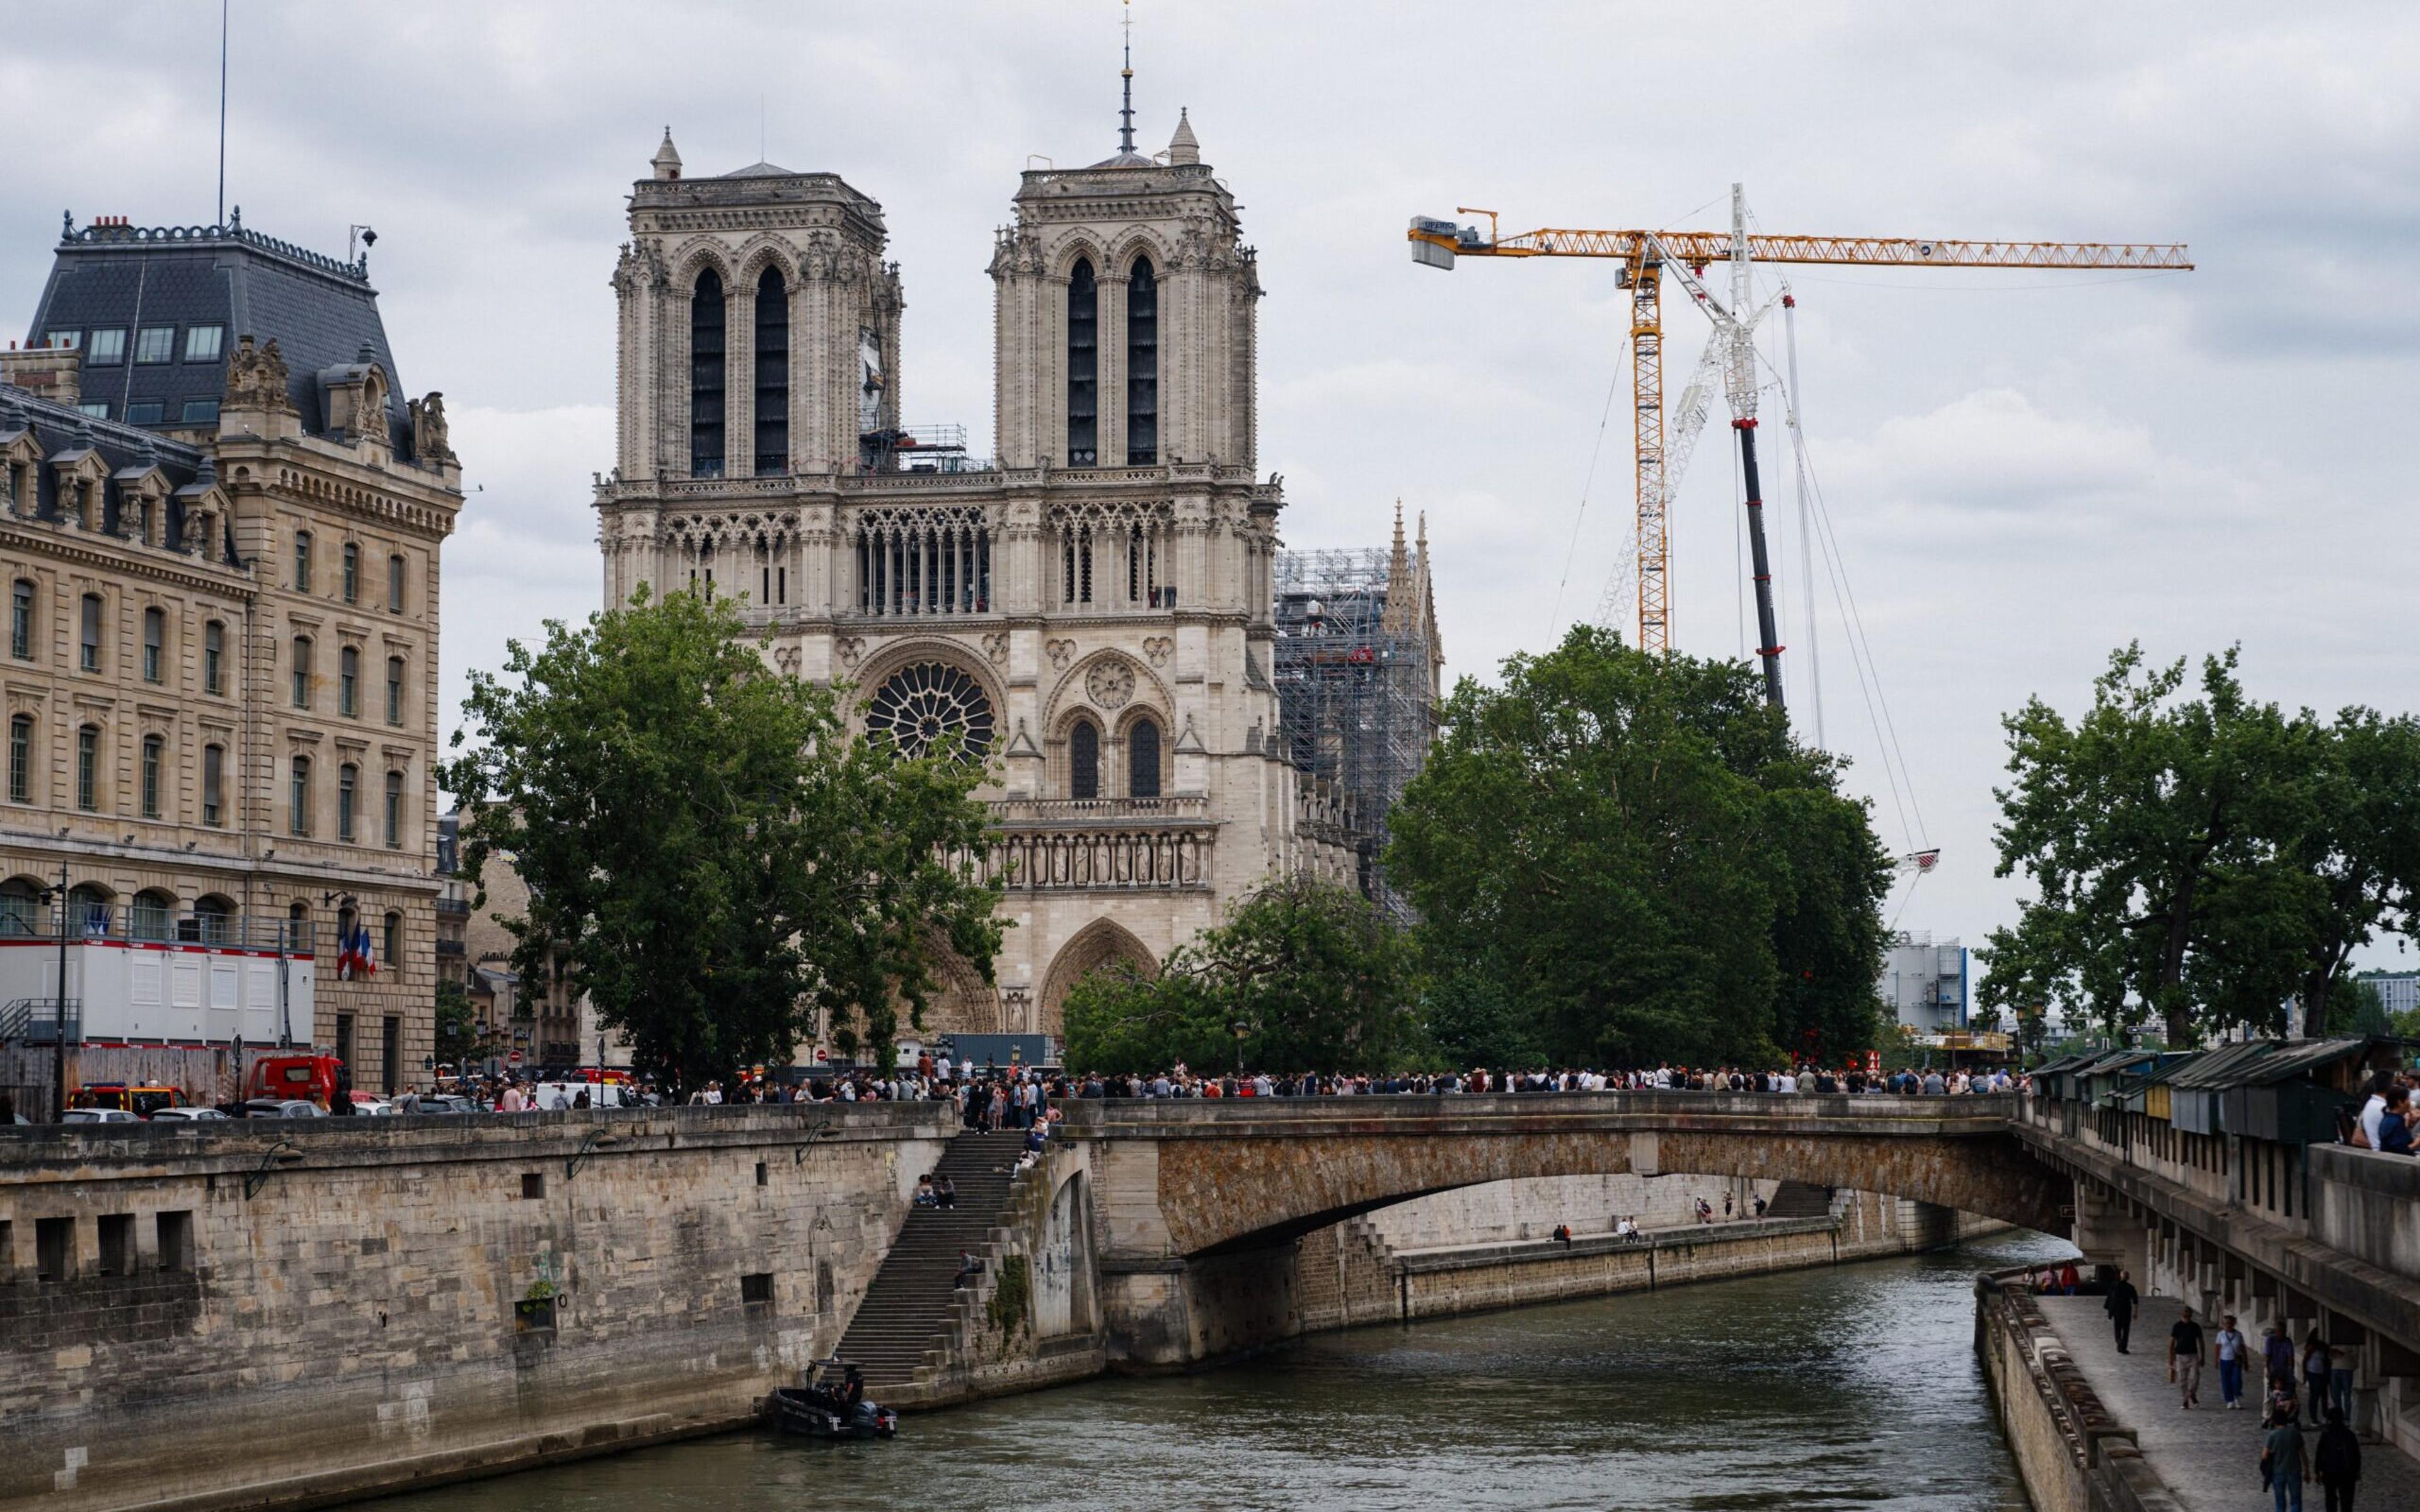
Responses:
[108,348]
[21,620]
[1143,760]
[1083,355]
[97,409]
[155,632]
[349,781]
[352,573]
[394,691]
[20,758]
[215,657]
[302,561]
[67,340]
[301,671]
[348,680]
[772,376]
[1084,760]
[88,646]
[298,797]
[199,412]
[213,773]
[202,342]
[394,811]
[145,412]
[1142,365]
[706,377]
[155,344]
[151,749]
[88,768]
[394,584]
[393,941]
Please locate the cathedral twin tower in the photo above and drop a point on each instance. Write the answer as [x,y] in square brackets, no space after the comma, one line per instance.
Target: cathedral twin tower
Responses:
[1089,613]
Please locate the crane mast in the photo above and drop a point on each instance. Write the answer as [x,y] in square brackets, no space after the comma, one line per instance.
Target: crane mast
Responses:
[1643,258]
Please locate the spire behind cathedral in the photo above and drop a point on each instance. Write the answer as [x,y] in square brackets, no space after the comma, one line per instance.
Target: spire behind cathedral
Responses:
[1125,78]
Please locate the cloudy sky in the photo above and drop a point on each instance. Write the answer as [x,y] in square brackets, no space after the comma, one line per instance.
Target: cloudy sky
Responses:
[2021,470]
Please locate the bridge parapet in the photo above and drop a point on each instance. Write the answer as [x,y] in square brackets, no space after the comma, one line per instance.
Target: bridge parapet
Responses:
[1296,1118]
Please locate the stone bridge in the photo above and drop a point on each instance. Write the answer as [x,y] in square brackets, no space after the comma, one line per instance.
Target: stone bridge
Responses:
[1193,1203]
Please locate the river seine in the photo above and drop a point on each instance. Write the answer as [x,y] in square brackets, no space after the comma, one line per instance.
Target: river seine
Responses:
[1849,1387]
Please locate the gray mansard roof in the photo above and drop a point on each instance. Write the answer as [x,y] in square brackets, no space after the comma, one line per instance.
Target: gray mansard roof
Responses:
[322,312]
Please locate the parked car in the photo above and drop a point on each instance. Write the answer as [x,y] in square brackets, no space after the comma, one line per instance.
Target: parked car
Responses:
[101,1115]
[141,1100]
[446,1102]
[281,1107]
[187,1116]
[371,1103]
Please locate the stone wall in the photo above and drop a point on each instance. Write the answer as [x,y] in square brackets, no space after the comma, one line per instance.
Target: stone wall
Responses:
[270,1313]
[2070,1454]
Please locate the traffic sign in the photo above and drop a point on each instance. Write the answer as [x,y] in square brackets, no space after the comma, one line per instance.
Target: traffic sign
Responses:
[512,1059]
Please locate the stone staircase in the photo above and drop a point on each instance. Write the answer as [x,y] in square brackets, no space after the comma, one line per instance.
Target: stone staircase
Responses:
[908,1315]
[1797,1200]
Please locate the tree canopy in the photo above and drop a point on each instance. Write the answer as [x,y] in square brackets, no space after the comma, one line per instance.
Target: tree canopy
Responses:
[2200,860]
[1634,850]
[1312,975]
[710,855]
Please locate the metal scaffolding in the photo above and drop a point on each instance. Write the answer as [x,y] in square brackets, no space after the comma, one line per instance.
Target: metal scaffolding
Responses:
[1356,666]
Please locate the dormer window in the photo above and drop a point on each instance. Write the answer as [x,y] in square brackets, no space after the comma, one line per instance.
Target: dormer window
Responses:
[1083,358]
[155,344]
[203,343]
[199,412]
[145,412]
[108,348]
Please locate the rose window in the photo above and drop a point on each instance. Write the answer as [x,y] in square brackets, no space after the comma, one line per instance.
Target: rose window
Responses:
[920,704]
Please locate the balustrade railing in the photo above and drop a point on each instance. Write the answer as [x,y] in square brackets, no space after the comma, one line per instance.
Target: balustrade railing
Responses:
[1162,859]
[1190,807]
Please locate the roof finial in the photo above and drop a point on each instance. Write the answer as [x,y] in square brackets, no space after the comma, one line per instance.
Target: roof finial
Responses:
[1125,114]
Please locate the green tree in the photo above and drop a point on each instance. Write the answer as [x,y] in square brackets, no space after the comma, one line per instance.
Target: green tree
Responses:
[2356,1007]
[2200,860]
[1634,850]
[1471,1020]
[1312,974]
[711,856]
[457,1035]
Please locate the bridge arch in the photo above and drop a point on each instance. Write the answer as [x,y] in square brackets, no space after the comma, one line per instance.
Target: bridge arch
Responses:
[1229,1177]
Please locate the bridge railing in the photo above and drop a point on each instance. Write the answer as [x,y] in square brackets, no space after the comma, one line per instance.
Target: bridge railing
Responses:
[1107,1114]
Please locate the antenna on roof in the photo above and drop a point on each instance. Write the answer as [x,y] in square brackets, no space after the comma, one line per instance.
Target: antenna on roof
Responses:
[1125,115]
[223,93]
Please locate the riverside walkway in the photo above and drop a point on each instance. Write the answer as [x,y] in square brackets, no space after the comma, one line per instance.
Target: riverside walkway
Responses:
[2210,1457]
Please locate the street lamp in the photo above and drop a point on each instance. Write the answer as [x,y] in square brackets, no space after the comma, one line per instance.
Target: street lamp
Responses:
[1239,1028]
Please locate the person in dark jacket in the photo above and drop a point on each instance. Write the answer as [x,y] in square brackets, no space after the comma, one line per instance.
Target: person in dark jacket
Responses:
[2120,1306]
[2336,1460]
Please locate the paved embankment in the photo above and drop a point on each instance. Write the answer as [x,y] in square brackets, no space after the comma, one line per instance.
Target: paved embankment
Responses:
[2208,1457]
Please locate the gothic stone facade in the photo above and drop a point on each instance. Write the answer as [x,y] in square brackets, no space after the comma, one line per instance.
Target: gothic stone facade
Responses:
[1092,611]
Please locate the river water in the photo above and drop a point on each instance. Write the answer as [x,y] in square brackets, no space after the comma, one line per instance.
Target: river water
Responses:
[1848,1387]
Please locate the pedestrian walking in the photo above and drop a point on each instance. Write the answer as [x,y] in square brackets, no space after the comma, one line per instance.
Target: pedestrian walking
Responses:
[2230,1347]
[2337,1461]
[2277,1360]
[2316,1369]
[2184,1359]
[2119,1305]
[2340,1380]
[2281,1464]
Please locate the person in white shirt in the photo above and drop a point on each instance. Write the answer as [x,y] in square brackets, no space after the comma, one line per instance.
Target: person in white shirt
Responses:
[2375,1108]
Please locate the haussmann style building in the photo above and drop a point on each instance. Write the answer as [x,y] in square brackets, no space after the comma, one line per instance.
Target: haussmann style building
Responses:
[219,523]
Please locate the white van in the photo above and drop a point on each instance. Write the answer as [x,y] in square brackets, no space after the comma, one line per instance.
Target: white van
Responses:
[548,1097]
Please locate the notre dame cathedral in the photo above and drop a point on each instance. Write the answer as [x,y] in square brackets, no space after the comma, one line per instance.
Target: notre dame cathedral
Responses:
[1090,612]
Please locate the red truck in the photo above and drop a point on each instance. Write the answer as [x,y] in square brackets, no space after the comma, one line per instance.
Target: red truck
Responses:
[310,1076]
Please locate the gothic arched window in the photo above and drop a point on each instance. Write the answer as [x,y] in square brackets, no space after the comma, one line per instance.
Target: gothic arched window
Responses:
[917,706]
[1142,365]
[772,376]
[1143,760]
[1083,357]
[706,377]
[1084,760]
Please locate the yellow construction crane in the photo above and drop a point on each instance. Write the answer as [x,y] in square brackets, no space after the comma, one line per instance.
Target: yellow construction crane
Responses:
[1644,257]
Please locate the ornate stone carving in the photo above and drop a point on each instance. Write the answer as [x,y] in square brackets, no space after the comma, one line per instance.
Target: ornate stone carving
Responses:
[852,650]
[996,646]
[428,428]
[785,660]
[1159,648]
[1110,682]
[256,377]
[1060,651]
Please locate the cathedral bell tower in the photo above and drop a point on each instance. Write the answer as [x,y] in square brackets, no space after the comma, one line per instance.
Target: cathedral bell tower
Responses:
[1124,304]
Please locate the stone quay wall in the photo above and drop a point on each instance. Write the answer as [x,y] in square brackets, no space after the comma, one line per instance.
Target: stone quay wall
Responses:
[2071,1455]
[1352,1274]
[281,1313]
